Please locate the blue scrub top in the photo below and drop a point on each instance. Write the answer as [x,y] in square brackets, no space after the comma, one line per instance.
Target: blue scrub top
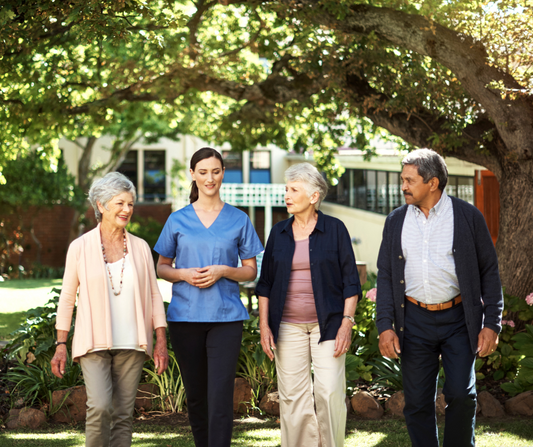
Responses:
[185,238]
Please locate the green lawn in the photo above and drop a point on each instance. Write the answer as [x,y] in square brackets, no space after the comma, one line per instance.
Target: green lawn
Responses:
[17,296]
[21,295]
[385,433]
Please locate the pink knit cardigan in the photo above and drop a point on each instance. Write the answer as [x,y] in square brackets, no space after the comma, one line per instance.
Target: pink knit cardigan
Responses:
[85,271]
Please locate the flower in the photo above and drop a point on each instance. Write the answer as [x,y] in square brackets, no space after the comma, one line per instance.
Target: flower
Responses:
[508,323]
[371,294]
[529,299]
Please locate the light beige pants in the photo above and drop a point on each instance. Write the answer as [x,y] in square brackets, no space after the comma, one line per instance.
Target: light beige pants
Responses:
[111,379]
[299,395]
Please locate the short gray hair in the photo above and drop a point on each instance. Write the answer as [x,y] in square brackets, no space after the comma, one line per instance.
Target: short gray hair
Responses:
[109,186]
[429,165]
[312,179]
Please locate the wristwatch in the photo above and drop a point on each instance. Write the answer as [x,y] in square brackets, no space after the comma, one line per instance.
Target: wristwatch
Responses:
[349,318]
[61,343]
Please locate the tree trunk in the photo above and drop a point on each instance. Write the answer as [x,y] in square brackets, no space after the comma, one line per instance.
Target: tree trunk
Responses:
[515,239]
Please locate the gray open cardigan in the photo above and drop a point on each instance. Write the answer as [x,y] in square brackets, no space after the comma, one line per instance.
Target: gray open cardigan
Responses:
[476,266]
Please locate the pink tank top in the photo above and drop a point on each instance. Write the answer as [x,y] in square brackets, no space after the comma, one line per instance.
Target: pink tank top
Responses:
[300,301]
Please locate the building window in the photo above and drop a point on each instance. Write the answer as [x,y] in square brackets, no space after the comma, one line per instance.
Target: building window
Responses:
[381,191]
[233,166]
[154,176]
[461,187]
[129,167]
[147,171]
[260,167]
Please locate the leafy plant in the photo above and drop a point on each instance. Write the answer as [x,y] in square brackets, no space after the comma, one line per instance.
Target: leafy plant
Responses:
[34,341]
[35,383]
[524,378]
[387,373]
[33,347]
[357,369]
[170,383]
[253,364]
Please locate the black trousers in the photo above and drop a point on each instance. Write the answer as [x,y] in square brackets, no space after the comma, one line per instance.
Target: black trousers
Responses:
[427,336]
[207,355]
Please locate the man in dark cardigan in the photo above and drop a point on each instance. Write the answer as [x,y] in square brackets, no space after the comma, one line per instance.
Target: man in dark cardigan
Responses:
[438,295]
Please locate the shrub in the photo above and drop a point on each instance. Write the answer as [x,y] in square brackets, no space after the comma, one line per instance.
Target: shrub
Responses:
[34,341]
[524,379]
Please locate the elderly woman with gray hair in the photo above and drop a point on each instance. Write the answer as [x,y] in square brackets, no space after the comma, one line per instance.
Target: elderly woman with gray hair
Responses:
[119,305]
[308,292]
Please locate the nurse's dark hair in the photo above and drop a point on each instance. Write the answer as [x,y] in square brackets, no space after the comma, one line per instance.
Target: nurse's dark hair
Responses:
[429,165]
[199,155]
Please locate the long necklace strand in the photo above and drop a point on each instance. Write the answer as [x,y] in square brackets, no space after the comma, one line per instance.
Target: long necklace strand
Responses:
[121,271]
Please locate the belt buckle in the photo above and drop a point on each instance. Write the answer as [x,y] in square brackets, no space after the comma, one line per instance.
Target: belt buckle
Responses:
[440,306]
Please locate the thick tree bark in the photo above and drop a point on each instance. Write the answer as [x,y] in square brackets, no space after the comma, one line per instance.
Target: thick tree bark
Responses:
[515,240]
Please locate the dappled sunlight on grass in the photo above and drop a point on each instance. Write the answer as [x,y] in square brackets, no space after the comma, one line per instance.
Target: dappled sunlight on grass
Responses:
[260,437]
[364,438]
[515,432]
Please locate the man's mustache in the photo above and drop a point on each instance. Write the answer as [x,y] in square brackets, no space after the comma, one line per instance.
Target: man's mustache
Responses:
[407,194]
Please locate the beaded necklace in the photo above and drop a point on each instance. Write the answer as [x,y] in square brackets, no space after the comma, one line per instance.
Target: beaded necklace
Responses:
[121,271]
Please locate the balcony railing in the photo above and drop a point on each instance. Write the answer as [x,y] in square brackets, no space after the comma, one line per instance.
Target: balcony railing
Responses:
[242,194]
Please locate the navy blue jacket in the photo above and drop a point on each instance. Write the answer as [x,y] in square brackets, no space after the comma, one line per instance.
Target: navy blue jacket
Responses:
[333,272]
[476,266]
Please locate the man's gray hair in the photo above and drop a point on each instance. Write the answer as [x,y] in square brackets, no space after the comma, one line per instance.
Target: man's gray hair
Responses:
[109,186]
[312,179]
[429,165]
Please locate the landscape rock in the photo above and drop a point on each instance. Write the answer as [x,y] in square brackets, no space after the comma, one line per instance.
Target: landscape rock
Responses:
[242,396]
[521,405]
[490,406]
[147,393]
[27,417]
[13,418]
[73,403]
[32,418]
[365,406]
[395,404]
[270,403]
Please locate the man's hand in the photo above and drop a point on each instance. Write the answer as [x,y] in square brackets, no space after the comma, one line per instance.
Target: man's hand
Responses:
[487,341]
[389,344]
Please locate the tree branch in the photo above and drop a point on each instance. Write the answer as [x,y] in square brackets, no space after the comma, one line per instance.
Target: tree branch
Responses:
[464,56]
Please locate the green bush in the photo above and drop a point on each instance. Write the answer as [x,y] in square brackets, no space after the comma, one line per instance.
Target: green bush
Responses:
[37,383]
[524,378]
[148,229]
[34,341]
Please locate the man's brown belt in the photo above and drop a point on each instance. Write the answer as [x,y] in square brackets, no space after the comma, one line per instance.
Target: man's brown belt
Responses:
[439,306]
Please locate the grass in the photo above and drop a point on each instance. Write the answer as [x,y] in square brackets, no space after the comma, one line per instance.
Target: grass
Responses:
[386,433]
[10,322]
[19,295]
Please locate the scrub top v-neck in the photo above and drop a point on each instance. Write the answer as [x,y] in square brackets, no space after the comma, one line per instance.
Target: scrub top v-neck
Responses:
[230,237]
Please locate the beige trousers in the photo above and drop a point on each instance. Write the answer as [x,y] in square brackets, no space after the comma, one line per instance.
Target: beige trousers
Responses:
[297,349]
[111,379]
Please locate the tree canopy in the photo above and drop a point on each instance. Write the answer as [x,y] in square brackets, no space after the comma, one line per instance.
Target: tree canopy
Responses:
[302,74]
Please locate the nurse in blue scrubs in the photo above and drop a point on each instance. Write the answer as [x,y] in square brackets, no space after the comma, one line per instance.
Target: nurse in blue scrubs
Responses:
[205,240]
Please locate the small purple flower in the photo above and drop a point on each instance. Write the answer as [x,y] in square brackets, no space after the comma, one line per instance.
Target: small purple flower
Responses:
[529,299]
[371,294]
[508,323]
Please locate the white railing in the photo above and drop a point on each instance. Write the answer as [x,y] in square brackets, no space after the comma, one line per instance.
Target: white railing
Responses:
[241,194]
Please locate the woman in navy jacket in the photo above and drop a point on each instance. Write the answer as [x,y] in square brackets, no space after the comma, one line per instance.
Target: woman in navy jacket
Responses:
[308,293]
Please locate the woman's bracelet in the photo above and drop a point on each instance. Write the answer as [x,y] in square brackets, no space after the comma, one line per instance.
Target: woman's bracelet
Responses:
[349,318]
